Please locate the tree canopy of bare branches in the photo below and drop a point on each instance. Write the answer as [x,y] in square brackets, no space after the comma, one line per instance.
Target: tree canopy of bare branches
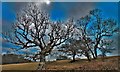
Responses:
[33,28]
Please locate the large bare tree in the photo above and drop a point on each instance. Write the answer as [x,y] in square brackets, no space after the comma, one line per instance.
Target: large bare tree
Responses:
[101,28]
[94,27]
[33,28]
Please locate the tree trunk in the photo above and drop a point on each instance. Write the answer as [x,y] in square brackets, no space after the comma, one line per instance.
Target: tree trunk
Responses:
[73,57]
[96,46]
[93,54]
[87,55]
[41,65]
[103,56]
[95,51]
[90,50]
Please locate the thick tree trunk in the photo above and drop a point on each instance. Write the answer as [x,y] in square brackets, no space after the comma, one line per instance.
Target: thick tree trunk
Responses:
[73,57]
[96,46]
[41,65]
[95,51]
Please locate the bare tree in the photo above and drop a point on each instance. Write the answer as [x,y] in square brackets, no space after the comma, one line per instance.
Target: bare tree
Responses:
[76,44]
[33,28]
[83,23]
[101,28]
[72,48]
[75,47]
[93,27]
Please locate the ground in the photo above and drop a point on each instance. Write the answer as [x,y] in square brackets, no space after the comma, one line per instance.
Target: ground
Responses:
[109,63]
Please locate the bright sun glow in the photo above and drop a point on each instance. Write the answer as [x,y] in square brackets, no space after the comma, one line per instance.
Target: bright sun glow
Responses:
[47,2]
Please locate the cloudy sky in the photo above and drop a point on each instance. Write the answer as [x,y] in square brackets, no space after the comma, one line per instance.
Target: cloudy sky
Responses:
[57,11]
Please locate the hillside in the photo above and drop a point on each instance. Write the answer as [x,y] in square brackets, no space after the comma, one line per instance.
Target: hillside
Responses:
[12,58]
[110,63]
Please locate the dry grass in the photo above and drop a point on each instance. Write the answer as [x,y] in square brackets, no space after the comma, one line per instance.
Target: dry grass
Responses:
[22,66]
[110,63]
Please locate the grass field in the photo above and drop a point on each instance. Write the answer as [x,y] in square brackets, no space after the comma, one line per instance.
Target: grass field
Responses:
[110,63]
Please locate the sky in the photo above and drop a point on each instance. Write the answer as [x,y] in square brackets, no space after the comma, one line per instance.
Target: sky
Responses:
[57,11]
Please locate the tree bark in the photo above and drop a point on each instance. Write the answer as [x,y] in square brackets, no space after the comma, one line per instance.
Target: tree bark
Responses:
[93,54]
[91,51]
[73,57]
[95,51]
[41,65]
[96,45]
[87,55]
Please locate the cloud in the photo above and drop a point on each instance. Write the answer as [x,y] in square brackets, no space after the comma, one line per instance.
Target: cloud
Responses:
[64,10]
[79,9]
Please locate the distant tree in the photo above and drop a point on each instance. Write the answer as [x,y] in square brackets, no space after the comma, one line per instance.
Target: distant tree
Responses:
[75,48]
[33,28]
[62,57]
[71,48]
